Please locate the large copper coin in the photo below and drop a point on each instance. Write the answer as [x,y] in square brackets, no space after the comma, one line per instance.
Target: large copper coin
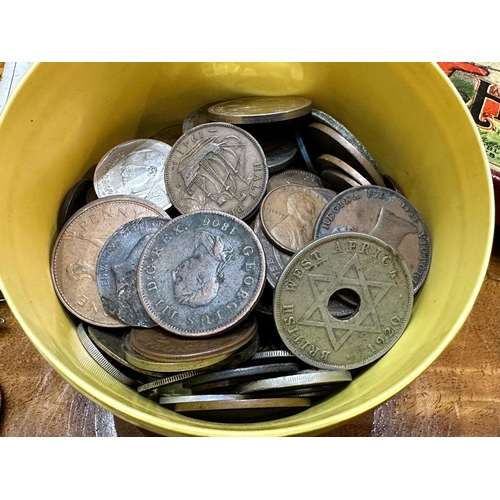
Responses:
[216,167]
[201,274]
[134,168]
[116,270]
[75,252]
[321,139]
[352,261]
[160,345]
[387,215]
[288,215]
[260,109]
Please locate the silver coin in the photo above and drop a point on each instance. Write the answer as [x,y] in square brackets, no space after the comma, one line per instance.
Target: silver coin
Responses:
[168,381]
[306,379]
[116,270]
[281,157]
[198,116]
[387,215]
[326,119]
[196,398]
[201,274]
[352,261]
[169,135]
[295,176]
[216,166]
[134,168]
[276,260]
[273,356]
[100,359]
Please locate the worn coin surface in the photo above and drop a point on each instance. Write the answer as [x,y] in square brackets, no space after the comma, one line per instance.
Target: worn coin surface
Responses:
[134,168]
[201,274]
[216,166]
[260,109]
[169,135]
[338,180]
[294,176]
[321,139]
[288,215]
[353,261]
[161,345]
[324,118]
[276,260]
[75,199]
[116,270]
[74,256]
[329,162]
[281,157]
[387,215]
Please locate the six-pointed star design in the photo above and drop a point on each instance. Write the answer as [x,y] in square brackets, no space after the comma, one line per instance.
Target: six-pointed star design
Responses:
[370,293]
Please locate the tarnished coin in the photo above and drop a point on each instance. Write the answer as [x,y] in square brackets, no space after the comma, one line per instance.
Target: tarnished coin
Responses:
[321,139]
[198,398]
[260,109]
[288,215]
[198,116]
[160,345]
[74,256]
[91,195]
[338,180]
[392,184]
[134,168]
[305,379]
[294,176]
[216,166]
[276,260]
[272,356]
[136,359]
[172,380]
[75,199]
[304,153]
[111,344]
[169,135]
[387,215]
[327,193]
[326,119]
[99,358]
[116,270]
[358,262]
[281,157]
[201,274]
[330,162]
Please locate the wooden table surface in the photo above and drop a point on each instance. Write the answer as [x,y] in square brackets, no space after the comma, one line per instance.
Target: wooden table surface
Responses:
[458,395]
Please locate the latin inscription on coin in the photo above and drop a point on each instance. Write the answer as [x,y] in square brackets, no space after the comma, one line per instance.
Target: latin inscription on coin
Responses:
[76,249]
[201,274]
[387,215]
[216,166]
[358,262]
[134,168]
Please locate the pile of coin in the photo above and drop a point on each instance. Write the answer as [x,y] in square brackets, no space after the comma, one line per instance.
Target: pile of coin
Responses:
[242,265]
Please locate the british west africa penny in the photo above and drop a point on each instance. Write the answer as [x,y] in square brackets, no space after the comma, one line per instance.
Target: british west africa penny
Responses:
[378,276]
[201,274]
[75,252]
[216,166]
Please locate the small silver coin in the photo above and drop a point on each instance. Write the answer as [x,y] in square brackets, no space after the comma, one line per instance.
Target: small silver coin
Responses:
[306,379]
[116,270]
[168,381]
[100,359]
[273,356]
[134,168]
[216,166]
[201,274]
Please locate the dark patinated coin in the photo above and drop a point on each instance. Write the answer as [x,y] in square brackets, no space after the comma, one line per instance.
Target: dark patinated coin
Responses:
[338,180]
[201,274]
[75,199]
[387,215]
[216,166]
[116,270]
[161,345]
[368,267]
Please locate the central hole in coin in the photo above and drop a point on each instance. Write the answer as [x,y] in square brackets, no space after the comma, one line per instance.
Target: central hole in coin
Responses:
[344,304]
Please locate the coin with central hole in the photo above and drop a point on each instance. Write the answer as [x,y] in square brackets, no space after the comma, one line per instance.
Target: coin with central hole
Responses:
[368,267]
[201,274]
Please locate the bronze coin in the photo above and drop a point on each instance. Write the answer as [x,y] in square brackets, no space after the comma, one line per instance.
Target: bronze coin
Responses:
[169,135]
[260,109]
[161,345]
[321,139]
[288,215]
[75,252]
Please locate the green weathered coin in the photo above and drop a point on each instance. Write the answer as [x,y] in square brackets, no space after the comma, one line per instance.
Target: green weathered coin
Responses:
[344,261]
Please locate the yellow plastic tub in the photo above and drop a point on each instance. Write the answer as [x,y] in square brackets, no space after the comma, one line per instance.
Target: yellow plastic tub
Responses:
[64,117]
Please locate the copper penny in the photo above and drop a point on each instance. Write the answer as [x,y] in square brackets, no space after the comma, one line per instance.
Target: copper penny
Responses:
[161,345]
[216,166]
[75,252]
[288,215]
[387,215]
[321,139]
